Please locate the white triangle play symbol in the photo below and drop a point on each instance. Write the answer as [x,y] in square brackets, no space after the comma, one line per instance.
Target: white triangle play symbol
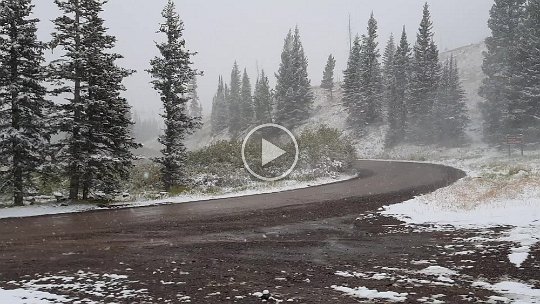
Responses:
[270,152]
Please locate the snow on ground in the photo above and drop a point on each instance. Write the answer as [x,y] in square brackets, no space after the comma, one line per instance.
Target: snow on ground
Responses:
[24,296]
[81,287]
[500,191]
[255,189]
[515,292]
[371,294]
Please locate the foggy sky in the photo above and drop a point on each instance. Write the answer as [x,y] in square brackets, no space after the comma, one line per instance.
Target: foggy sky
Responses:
[252,32]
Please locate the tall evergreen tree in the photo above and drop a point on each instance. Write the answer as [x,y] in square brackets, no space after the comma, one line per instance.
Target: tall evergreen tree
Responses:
[390,89]
[69,74]
[172,72]
[220,109]
[24,127]
[294,97]
[424,80]
[529,71]
[195,106]
[263,100]
[506,18]
[234,99]
[398,89]
[351,86]
[450,110]
[388,74]
[246,102]
[97,149]
[108,140]
[328,75]
[370,76]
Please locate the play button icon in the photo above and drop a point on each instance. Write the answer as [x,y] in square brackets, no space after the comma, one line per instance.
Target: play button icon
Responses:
[270,152]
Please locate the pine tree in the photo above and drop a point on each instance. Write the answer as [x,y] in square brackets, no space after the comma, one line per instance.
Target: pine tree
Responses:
[195,106]
[24,126]
[370,76]
[425,77]
[69,74]
[263,101]
[388,73]
[108,138]
[398,88]
[450,110]
[389,62]
[294,97]
[172,72]
[234,99]
[351,86]
[328,75]
[506,18]
[246,102]
[529,70]
[97,149]
[220,109]
[390,88]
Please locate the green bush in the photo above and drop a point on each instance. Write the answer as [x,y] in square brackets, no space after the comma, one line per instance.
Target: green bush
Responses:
[324,152]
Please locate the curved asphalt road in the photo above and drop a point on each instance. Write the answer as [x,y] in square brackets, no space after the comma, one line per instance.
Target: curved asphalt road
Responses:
[225,242]
[376,178]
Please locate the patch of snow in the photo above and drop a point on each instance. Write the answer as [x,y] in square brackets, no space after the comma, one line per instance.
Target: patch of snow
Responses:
[519,293]
[27,296]
[371,294]
[499,192]
[438,270]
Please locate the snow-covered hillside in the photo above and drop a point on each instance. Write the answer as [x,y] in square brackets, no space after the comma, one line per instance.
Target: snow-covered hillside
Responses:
[469,59]
[329,110]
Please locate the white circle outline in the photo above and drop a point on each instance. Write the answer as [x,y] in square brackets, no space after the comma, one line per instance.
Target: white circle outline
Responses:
[296,156]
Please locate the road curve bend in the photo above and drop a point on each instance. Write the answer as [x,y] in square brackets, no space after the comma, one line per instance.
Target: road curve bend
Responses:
[223,247]
[377,179]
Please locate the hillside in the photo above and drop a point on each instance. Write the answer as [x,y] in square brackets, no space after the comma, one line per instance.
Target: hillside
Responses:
[330,111]
[469,59]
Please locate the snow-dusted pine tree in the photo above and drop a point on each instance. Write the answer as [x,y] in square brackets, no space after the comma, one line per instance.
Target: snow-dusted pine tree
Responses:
[450,110]
[389,92]
[426,72]
[234,99]
[371,87]
[294,97]
[108,140]
[388,75]
[220,110]
[397,111]
[388,65]
[69,75]
[97,150]
[327,82]
[500,67]
[24,126]
[246,102]
[529,53]
[263,100]
[172,72]
[195,106]
[351,86]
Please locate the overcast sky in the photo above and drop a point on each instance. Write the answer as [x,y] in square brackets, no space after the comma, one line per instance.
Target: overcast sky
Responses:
[252,33]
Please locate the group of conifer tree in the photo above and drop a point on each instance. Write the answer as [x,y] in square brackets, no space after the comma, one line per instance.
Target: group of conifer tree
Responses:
[512,67]
[93,144]
[420,99]
[235,108]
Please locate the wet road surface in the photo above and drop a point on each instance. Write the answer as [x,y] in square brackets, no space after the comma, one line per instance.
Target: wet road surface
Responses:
[223,250]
